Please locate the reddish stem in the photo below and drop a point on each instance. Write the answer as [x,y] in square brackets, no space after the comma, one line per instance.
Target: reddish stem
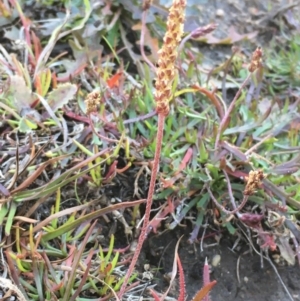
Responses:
[142,237]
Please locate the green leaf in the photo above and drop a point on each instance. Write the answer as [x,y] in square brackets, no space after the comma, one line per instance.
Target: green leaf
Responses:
[230,228]
[11,215]
[110,248]
[114,262]
[62,180]
[3,212]
[203,153]
[25,125]
[72,225]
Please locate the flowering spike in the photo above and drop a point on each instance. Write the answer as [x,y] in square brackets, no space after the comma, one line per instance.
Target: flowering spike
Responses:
[256,61]
[254,181]
[166,70]
[92,100]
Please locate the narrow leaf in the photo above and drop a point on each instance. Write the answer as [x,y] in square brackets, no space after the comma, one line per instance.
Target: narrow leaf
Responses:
[67,227]
[204,291]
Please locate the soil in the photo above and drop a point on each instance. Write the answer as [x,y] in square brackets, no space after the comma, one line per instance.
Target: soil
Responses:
[256,282]
[265,18]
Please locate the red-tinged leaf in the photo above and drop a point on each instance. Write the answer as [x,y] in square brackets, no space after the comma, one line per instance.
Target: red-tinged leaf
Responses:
[38,86]
[204,291]
[57,287]
[37,45]
[107,269]
[69,292]
[114,80]
[111,171]
[84,276]
[166,209]
[75,116]
[212,97]
[32,177]
[174,271]
[181,296]
[206,276]
[154,294]
[54,80]
[177,175]
[35,103]
[268,241]
[69,260]
[185,160]
[72,70]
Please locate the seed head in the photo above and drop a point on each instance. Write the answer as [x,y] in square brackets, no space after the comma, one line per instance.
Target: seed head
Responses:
[92,100]
[146,4]
[256,61]
[254,181]
[167,56]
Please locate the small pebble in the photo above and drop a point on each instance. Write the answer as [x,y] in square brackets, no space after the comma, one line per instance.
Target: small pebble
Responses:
[147,276]
[216,260]
[220,13]
[133,246]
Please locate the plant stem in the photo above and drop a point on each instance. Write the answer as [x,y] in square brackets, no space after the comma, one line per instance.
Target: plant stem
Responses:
[155,168]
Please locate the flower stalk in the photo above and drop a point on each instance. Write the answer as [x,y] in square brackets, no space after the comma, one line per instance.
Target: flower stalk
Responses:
[165,75]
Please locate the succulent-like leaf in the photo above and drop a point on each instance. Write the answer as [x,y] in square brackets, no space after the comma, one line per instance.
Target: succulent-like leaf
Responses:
[204,291]
[181,296]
